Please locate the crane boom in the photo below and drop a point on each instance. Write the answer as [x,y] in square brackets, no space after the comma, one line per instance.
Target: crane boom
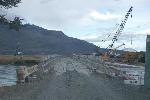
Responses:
[120,29]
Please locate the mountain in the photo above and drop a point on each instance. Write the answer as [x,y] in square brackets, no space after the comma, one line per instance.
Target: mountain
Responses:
[36,40]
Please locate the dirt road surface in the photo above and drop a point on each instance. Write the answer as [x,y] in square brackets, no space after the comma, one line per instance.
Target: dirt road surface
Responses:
[73,79]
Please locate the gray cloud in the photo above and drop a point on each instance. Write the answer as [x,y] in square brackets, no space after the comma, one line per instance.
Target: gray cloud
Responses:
[45,1]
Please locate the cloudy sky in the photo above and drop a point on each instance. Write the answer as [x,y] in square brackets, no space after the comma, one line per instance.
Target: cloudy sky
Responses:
[90,20]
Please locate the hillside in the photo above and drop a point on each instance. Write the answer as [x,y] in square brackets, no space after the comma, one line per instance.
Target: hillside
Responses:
[36,40]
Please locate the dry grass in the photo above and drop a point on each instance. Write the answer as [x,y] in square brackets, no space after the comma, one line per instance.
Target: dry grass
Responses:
[8,59]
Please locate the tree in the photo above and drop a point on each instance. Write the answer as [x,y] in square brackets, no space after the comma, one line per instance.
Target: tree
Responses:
[3,20]
[16,24]
[9,3]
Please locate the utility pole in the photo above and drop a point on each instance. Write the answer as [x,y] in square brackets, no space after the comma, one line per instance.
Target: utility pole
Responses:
[18,54]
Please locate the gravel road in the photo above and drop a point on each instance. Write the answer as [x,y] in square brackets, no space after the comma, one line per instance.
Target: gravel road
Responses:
[71,79]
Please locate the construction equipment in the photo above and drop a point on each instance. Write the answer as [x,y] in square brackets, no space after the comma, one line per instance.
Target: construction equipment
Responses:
[109,49]
[113,51]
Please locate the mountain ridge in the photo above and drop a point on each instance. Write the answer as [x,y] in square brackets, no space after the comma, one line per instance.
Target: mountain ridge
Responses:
[37,40]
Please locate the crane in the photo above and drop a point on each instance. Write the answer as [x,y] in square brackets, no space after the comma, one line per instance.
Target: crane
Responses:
[116,36]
